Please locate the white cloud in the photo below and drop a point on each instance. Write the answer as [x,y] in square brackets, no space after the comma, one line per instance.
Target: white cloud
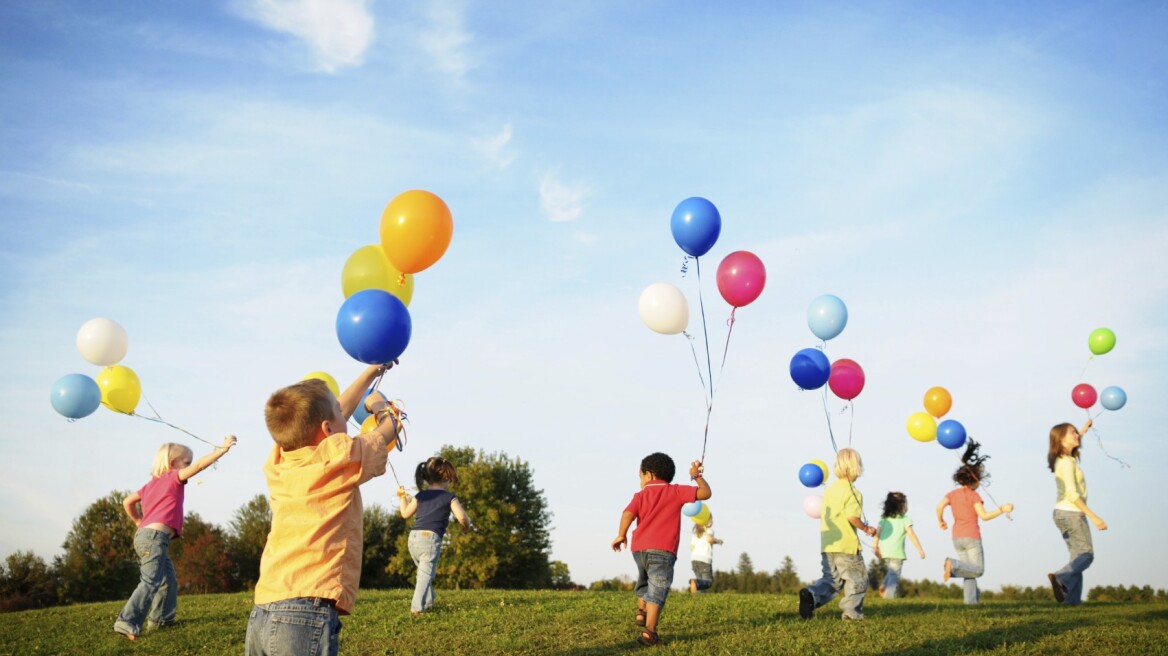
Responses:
[338,31]
[560,201]
[492,147]
[444,39]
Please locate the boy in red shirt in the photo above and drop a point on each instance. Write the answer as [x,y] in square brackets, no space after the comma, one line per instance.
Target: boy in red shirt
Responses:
[657,509]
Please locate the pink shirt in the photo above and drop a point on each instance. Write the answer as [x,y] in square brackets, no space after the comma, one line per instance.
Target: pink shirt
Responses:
[162,501]
[965,524]
[657,509]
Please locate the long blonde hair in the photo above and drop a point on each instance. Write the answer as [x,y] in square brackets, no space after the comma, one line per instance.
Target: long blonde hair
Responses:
[848,464]
[168,453]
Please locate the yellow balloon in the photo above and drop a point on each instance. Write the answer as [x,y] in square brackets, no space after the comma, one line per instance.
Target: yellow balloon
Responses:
[120,388]
[703,516]
[368,268]
[416,228]
[328,380]
[822,465]
[369,424]
[922,426]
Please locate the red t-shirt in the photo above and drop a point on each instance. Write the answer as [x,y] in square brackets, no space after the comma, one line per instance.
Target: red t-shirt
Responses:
[162,501]
[965,523]
[657,509]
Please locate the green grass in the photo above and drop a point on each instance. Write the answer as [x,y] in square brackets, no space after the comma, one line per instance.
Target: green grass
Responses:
[579,623]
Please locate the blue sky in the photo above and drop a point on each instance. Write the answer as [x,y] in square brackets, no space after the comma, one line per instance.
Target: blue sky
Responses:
[982,187]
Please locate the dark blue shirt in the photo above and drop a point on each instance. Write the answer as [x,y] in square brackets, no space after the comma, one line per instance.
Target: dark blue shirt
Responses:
[433,512]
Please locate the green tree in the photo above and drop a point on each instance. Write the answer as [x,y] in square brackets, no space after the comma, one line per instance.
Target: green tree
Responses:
[382,529]
[26,581]
[876,573]
[99,562]
[786,579]
[561,577]
[246,538]
[200,558]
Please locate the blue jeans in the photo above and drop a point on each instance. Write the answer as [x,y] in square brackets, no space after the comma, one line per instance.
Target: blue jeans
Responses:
[969,564]
[156,597]
[842,572]
[304,626]
[425,547]
[1077,534]
[654,575]
[703,574]
[892,577]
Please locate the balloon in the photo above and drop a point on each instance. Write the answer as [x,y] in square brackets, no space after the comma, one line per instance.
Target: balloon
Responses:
[847,379]
[696,225]
[663,308]
[416,228]
[938,401]
[1101,341]
[822,465]
[75,396]
[810,369]
[703,517]
[369,425]
[1084,395]
[373,326]
[813,505]
[951,434]
[120,388]
[102,341]
[691,509]
[328,380]
[368,268]
[359,413]
[1113,398]
[741,277]
[826,316]
[810,475]
[922,426]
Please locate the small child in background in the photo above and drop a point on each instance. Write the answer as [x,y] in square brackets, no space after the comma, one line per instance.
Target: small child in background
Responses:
[159,519]
[894,526]
[843,564]
[657,511]
[701,557]
[433,507]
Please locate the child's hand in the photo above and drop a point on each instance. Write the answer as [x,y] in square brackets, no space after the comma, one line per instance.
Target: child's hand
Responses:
[401,492]
[922,554]
[618,543]
[695,469]
[942,524]
[871,531]
[1089,424]
[228,442]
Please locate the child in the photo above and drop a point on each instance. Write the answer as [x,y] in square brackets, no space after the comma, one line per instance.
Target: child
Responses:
[1071,512]
[894,526]
[312,561]
[701,549]
[159,520]
[433,506]
[967,508]
[657,510]
[843,564]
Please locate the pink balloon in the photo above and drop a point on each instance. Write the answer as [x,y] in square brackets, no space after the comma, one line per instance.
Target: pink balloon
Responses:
[1084,395]
[741,277]
[813,505]
[847,379]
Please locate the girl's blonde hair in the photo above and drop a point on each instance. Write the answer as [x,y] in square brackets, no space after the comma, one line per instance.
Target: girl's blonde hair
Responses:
[168,453]
[699,530]
[848,464]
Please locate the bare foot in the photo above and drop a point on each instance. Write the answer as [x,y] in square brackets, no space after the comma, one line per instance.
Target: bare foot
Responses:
[948,569]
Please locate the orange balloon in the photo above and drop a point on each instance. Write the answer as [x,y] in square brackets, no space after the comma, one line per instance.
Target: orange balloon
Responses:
[415,230]
[938,401]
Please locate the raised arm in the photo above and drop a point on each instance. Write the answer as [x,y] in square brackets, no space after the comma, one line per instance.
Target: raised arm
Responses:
[206,461]
[695,472]
[356,390]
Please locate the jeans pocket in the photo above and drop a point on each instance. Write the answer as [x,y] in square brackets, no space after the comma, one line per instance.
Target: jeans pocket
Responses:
[295,634]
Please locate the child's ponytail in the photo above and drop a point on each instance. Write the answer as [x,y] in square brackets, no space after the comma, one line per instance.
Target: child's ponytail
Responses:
[420,478]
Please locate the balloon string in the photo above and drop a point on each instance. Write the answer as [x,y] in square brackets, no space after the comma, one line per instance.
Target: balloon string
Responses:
[705,331]
[851,420]
[985,488]
[157,418]
[1099,438]
[726,349]
[835,448]
[1084,371]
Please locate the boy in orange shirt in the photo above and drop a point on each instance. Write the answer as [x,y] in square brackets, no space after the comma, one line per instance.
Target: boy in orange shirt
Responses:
[312,561]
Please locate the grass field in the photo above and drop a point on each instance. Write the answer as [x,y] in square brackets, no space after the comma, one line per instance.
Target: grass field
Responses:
[579,623]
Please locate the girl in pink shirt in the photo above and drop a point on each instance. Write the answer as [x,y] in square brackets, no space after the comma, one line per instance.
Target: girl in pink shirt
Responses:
[159,519]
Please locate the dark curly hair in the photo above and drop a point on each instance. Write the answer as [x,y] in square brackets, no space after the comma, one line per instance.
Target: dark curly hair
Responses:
[973,470]
[660,466]
[895,504]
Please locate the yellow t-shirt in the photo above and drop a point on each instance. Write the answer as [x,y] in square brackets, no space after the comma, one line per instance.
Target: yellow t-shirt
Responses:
[1070,482]
[836,533]
[314,547]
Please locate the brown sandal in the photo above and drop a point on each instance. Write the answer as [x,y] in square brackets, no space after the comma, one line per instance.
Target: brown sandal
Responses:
[640,617]
[649,638]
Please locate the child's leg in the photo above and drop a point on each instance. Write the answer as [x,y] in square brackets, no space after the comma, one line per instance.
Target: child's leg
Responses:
[823,590]
[703,575]
[658,568]
[969,564]
[892,578]
[165,604]
[852,577]
[423,549]
[150,546]
[1076,533]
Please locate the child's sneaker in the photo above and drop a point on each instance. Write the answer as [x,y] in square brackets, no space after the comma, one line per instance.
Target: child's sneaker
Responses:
[806,604]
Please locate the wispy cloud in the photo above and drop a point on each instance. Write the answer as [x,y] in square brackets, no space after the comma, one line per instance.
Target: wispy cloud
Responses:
[561,201]
[338,31]
[492,147]
[445,40]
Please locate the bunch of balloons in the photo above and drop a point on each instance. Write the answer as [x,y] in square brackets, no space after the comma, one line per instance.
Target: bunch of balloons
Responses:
[923,426]
[1100,341]
[813,474]
[699,512]
[810,369]
[102,342]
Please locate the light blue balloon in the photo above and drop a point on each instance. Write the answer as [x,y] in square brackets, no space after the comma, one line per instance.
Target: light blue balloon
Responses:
[1113,398]
[691,509]
[75,396]
[826,316]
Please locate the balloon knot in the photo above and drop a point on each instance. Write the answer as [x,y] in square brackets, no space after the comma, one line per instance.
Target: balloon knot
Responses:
[401,280]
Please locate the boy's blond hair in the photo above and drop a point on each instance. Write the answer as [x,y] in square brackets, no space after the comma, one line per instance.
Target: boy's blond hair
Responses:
[166,454]
[295,412]
[848,464]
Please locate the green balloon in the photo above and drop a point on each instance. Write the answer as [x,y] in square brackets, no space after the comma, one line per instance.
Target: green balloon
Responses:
[1101,341]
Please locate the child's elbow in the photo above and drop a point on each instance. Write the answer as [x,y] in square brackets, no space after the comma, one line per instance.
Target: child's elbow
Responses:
[703,494]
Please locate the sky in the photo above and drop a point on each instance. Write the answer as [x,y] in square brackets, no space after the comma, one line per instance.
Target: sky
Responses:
[982,185]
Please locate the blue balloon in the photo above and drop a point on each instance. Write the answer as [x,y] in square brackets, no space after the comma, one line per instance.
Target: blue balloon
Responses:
[951,434]
[696,225]
[1113,398]
[691,509]
[75,396]
[811,475]
[826,316]
[810,369]
[360,414]
[374,326]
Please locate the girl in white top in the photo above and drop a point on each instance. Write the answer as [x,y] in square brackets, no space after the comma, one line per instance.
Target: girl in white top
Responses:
[701,550]
[1071,512]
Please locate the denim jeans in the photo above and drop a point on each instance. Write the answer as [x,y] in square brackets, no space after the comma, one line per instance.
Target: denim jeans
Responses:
[156,597]
[703,574]
[969,564]
[892,577]
[425,547]
[304,626]
[842,572]
[654,575]
[1077,534]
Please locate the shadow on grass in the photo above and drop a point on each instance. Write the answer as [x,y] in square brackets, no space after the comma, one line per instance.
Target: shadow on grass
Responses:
[995,638]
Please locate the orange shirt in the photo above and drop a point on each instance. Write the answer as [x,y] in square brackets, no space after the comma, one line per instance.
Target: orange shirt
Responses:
[314,547]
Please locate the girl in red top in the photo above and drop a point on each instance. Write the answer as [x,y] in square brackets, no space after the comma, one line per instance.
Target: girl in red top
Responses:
[967,509]
[159,519]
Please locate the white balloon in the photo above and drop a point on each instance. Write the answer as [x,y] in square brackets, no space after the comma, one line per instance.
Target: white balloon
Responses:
[813,505]
[102,341]
[663,308]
